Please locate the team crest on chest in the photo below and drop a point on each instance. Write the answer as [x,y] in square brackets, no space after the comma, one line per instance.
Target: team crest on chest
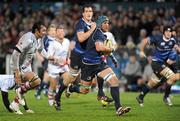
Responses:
[162,43]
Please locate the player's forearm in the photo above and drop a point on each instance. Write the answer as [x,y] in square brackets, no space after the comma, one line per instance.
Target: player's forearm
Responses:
[177,48]
[15,59]
[6,100]
[84,36]
[46,55]
[102,48]
[143,44]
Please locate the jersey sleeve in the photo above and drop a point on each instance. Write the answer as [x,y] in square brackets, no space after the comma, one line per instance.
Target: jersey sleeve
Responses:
[80,27]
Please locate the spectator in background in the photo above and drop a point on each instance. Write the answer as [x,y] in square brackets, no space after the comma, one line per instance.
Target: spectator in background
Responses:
[142,35]
[133,73]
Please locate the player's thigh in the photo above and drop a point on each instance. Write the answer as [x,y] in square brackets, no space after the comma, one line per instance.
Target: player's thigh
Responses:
[76,61]
[31,77]
[109,76]
[53,82]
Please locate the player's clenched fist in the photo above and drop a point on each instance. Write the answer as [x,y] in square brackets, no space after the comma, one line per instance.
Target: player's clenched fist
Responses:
[93,25]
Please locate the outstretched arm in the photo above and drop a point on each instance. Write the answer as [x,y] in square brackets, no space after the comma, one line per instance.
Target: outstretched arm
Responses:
[144,42]
[15,57]
[177,48]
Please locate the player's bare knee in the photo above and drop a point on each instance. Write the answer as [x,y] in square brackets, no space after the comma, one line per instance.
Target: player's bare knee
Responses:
[38,81]
[113,82]
[84,90]
[154,81]
[172,79]
[111,78]
[177,76]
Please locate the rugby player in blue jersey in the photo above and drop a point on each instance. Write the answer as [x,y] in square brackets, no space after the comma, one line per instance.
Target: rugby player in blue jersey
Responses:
[172,62]
[164,44]
[173,56]
[93,65]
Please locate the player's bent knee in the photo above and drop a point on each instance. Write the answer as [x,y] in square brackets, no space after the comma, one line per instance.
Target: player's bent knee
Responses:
[113,82]
[35,80]
[167,72]
[154,79]
[84,90]
[172,79]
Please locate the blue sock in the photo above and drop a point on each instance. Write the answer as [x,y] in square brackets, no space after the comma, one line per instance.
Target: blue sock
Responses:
[115,95]
[144,91]
[100,82]
[41,87]
[60,91]
[167,90]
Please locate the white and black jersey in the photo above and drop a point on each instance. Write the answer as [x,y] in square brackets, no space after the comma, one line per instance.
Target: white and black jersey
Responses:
[27,45]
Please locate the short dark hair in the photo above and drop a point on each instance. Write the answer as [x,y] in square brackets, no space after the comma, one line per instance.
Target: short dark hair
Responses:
[87,5]
[37,26]
[167,28]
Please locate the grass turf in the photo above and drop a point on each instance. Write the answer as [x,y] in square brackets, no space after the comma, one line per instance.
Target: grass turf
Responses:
[87,108]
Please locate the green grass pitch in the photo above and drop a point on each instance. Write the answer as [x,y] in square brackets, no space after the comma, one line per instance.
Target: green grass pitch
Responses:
[87,108]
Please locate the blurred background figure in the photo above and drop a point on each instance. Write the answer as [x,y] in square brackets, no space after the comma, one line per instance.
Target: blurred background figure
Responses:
[133,73]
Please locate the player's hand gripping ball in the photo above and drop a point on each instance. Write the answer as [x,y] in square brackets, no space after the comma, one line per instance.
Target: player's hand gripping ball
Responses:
[108,43]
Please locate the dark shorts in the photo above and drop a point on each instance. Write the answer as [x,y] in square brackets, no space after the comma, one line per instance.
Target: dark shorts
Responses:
[158,67]
[88,72]
[76,60]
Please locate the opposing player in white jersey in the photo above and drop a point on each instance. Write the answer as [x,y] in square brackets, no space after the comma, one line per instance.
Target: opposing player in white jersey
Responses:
[21,62]
[59,49]
[7,83]
[110,36]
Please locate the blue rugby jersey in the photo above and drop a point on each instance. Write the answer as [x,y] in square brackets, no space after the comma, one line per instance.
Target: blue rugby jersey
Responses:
[162,48]
[81,26]
[91,56]
[46,42]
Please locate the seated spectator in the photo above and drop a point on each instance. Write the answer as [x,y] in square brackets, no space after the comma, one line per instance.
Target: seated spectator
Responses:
[133,73]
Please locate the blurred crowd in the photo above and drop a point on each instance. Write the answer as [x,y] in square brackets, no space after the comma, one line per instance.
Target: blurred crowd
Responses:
[129,26]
